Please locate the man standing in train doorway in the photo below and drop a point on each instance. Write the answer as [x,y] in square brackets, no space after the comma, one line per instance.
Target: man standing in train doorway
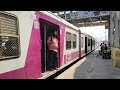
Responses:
[53,51]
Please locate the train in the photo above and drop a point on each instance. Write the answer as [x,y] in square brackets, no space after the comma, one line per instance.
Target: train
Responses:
[23,43]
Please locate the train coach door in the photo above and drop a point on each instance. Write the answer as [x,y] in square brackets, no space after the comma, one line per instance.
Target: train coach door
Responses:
[46,31]
[91,44]
[79,43]
[85,44]
[43,29]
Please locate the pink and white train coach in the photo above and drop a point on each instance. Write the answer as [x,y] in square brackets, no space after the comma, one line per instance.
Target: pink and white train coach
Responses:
[23,48]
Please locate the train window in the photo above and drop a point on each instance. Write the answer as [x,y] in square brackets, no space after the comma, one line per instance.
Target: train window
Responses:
[9,38]
[82,42]
[74,40]
[88,42]
[68,40]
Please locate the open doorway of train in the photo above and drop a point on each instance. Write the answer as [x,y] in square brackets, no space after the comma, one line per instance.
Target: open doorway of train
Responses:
[46,30]
[86,43]
[91,44]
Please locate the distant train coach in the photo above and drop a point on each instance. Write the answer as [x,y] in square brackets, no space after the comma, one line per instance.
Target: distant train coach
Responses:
[23,43]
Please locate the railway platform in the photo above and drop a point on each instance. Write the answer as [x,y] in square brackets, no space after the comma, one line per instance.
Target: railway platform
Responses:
[93,66]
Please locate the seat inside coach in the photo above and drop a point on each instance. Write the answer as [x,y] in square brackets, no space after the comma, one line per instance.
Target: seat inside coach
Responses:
[46,31]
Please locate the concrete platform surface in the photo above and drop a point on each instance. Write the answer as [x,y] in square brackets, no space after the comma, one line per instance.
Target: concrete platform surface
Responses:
[92,67]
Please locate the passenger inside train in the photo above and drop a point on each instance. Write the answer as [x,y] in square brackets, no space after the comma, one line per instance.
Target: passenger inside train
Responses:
[53,50]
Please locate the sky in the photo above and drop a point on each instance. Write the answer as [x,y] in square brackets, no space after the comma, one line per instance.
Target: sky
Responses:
[96,31]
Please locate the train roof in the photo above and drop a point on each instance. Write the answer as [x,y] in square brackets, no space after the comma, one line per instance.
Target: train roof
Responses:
[50,14]
[57,18]
[83,32]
